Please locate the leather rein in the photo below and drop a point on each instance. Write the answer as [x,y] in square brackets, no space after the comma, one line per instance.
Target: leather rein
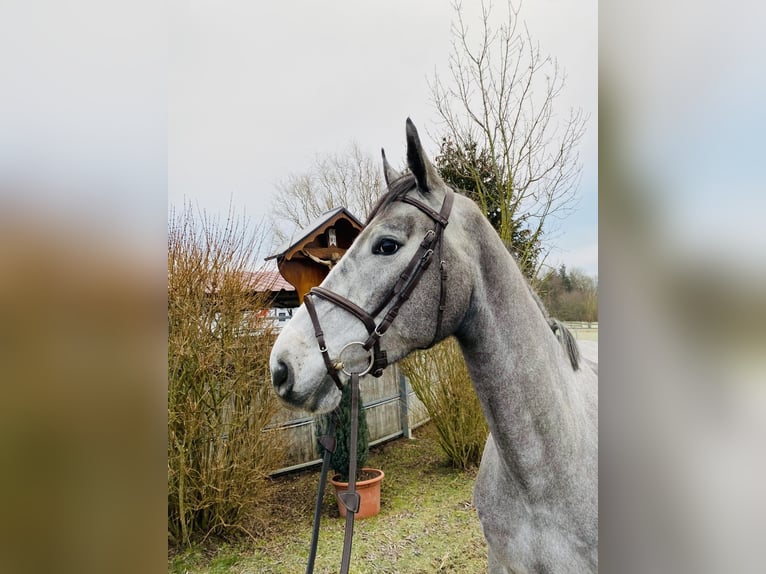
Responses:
[394,299]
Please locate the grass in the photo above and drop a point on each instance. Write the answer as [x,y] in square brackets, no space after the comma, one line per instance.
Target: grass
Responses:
[426,523]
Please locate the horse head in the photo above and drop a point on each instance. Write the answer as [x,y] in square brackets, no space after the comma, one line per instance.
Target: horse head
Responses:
[407,262]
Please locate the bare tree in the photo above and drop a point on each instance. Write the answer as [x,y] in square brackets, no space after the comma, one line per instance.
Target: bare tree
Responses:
[500,95]
[351,179]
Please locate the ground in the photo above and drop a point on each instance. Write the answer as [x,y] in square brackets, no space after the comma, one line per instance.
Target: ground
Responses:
[426,523]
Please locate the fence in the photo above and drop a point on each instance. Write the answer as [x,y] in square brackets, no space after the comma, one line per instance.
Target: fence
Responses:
[583,330]
[581,324]
[392,408]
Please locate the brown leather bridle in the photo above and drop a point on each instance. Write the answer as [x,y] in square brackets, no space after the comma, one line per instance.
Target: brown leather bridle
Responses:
[396,296]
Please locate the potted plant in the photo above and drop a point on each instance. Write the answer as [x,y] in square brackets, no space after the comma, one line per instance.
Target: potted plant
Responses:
[367,479]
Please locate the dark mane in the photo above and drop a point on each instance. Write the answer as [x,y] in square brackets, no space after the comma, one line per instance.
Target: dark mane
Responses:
[563,334]
[396,190]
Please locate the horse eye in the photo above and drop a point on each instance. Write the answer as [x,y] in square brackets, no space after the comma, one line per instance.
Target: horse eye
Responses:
[386,246]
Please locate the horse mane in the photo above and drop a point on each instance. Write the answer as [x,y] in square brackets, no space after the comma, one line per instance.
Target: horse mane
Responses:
[406,183]
[563,334]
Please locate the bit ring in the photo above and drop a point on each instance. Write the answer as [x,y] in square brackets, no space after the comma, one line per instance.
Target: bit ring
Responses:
[340,359]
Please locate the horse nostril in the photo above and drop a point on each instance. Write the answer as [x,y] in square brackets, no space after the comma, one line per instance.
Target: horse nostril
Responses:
[279,378]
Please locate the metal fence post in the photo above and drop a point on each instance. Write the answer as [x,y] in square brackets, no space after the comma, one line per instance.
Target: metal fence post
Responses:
[404,404]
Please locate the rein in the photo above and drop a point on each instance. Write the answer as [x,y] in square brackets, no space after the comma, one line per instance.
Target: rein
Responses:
[350,499]
[395,297]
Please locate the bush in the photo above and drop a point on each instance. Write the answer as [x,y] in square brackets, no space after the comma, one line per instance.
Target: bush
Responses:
[219,394]
[440,379]
[341,458]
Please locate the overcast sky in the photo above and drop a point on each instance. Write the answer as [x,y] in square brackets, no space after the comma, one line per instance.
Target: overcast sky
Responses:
[257,90]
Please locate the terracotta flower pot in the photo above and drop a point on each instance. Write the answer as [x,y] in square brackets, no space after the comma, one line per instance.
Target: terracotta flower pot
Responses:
[369,493]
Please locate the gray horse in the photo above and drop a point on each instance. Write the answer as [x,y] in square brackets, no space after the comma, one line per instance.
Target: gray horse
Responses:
[536,492]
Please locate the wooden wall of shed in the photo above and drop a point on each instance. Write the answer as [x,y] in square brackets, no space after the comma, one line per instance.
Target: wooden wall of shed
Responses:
[303,275]
[385,399]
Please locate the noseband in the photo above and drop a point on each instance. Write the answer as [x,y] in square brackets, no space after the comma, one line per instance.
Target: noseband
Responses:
[396,296]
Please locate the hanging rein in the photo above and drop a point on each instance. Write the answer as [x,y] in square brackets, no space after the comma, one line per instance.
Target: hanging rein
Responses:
[394,299]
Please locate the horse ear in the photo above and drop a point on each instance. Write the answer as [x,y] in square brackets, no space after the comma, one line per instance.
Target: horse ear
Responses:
[421,168]
[389,172]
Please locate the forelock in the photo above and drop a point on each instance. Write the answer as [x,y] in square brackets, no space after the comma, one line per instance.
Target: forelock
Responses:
[396,190]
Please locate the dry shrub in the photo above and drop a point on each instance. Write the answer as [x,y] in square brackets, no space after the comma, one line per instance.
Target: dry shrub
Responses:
[219,394]
[440,379]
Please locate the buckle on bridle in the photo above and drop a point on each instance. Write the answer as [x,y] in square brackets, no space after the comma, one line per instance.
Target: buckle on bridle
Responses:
[428,239]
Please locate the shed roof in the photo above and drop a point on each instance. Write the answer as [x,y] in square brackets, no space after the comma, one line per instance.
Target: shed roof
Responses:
[319,225]
[266,280]
[259,281]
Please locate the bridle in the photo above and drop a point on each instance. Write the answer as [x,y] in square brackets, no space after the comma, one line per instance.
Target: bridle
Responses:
[396,296]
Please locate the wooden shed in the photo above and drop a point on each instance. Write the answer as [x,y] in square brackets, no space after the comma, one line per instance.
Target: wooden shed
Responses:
[305,262]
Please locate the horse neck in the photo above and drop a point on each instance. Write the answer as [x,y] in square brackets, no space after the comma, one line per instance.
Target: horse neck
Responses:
[519,371]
